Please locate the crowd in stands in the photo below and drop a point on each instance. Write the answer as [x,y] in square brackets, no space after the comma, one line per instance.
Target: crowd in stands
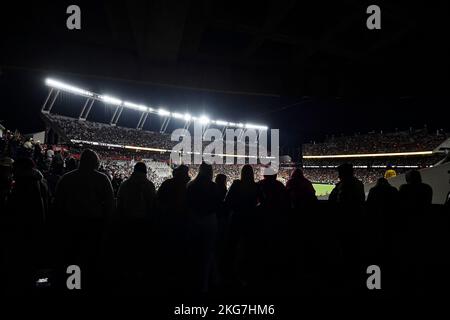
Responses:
[404,141]
[105,133]
[416,161]
[77,130]
[198,234]
[418,140]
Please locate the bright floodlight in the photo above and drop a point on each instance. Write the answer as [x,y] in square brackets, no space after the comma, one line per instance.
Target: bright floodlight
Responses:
[62,86]
[135,106]
[222,123]
[110,100]
[177,115]
[163,112]
[204,119]
[254,126]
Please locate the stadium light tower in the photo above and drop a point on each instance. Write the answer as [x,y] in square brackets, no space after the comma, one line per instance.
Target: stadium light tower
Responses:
[57,86]
[204,120]
[177,115]
[65,87]
[110,100]
[163,112]
[221,123]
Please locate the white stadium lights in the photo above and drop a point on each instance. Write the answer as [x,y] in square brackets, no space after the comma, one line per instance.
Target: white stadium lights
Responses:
[222,123]
[110,100]
[392,154]
[163,112]
[139,107]
[134,106]
[177,115]
[204,120]
[65,87]
[254,126]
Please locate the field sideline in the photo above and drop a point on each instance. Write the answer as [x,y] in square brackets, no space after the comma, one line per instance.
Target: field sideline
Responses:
[322,189]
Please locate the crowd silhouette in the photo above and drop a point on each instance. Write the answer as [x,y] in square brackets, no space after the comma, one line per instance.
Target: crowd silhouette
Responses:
[193,236]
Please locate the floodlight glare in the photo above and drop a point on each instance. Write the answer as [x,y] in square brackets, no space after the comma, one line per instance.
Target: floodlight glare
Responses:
[177,115]
[163,112]
[135,106]
[110,100]
[62,86]
[221,123]
[254,126]
[139,107]
[204,119]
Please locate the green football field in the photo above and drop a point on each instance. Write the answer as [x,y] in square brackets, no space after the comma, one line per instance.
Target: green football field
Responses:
[322,189]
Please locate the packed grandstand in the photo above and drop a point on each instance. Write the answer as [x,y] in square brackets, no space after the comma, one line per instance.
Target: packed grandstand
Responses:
[275,215]
[120,146]
[75,135]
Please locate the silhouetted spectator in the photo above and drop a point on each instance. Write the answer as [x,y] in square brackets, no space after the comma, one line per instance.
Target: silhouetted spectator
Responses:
[71,164]
[241,199]
[415,195]
[116,181]
[38,157]
[382,197]
[348,199]
[301,190]
[203,194]
[221,182]
[203,199]
[29,196]
[85,192]
[173,231]
[171,194]
[273,196]
[349,191]
[84,204]
[271,238]
[136,207]
[383,219]
[137,195]
[28,204]
[58,163]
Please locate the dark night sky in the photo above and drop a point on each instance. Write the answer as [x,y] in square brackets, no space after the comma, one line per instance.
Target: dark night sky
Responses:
[299,118]
[306,68]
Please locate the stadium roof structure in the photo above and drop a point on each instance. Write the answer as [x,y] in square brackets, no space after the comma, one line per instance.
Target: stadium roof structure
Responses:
[58,86]
[274,48]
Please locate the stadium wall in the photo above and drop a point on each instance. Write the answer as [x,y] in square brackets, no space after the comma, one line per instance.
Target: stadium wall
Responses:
[438,177]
